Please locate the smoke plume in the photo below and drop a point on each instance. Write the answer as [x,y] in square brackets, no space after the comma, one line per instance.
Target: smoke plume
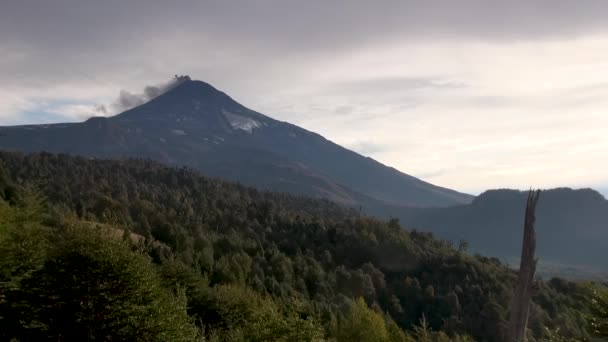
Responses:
[127,100]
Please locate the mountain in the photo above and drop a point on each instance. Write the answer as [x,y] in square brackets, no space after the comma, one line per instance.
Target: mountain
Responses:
[572,225]
[195,125]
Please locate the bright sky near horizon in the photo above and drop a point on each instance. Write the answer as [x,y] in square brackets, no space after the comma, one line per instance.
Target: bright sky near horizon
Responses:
[469,95]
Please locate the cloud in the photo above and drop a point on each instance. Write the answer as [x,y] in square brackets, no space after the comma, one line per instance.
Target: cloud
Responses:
[368,148]
[101,109]
[74,109]
[395,84]
[312,24]
[79,112]
[495,93]
[343,110]
[429,175]
[127,100]
[12,105]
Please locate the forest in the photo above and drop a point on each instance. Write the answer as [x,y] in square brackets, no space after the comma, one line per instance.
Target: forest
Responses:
[94,249]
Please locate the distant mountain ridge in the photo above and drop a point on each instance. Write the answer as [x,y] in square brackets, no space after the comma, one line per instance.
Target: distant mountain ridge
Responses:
[196,125]
[572,225]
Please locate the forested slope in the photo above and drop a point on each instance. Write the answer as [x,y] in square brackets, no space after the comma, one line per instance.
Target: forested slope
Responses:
[245,264]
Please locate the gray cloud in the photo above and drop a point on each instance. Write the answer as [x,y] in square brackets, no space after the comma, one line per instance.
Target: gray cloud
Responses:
[123,44]
[432,174]
[369,148]
[127,100]
[297,23]
[395,84]
[70,39]
[101,109]
[343,110]
[406,72]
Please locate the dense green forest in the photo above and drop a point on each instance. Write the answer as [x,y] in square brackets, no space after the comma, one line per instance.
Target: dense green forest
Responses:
[133,250]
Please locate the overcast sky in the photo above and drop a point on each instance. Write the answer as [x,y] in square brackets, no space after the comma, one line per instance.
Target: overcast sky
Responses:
[469,95]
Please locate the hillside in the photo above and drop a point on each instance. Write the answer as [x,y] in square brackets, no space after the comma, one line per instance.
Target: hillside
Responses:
[196,125]
[572,225]
[251,262]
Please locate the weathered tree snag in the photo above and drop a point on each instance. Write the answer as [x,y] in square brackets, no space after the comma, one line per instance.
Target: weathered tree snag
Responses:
[523,291]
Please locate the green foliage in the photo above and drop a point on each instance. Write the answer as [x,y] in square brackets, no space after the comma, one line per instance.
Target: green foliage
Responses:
[598,297]
[23,238]
[362,324]
[83,285]
[395,334]
[230,312]
[248,265]
[423,333]
[235,313]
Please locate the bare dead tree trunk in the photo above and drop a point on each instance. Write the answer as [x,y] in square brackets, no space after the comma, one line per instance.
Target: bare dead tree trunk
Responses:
[520,304]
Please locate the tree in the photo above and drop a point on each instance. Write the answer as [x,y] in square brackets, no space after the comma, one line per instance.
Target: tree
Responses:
[23,237]
[523,292]
[362,324]
[93,287]
[236,313]
[599,306]
[463,246]
[274,246]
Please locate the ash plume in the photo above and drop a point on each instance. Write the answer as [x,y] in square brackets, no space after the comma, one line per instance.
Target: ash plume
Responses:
[127,100]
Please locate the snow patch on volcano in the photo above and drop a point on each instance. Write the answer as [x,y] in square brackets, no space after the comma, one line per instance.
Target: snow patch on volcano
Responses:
[241,122]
